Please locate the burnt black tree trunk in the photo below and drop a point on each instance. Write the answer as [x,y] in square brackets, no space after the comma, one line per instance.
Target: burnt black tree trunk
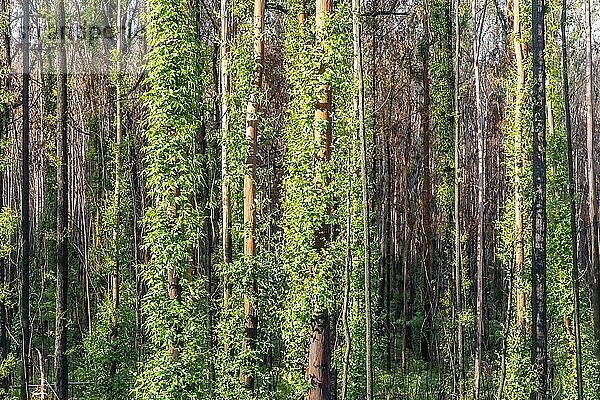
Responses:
[62,242]
[25,328]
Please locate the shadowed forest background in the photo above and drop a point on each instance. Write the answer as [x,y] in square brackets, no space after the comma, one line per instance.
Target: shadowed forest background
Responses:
[328,199]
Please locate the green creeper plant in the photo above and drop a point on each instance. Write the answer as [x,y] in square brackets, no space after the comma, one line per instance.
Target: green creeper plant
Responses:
[177,358]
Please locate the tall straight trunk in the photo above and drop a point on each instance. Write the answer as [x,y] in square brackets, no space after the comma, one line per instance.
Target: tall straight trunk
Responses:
[572,204]
[25,328]
[117,196]
[138,252]
[538,261]
[509,306]
[428,298]
[250,310]
[384,229]
[4,129]
[405,272]
[480,203]
[204,254]
[518,142]
[347,268]
[592,195]
[62,237]
[319,352]
[4,344]
[360,103]
[173,282]
[457,179]
[406,237]
[225,192]
[302,15]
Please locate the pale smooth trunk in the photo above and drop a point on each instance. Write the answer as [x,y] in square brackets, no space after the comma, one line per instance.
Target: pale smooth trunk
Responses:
[358,71]
[592,194]
[250,309]
[480,207]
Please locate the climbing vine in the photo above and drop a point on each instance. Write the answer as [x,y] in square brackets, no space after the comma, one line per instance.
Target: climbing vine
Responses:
[178,356]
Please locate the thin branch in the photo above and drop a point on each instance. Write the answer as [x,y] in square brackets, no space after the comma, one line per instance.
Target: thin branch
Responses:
[277,7]
[377,13]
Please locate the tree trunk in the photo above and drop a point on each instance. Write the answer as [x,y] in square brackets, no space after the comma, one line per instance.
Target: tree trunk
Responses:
[250,310]
[62,235]
[319,353]
[347,271]
[4,132]
[319,358]
[572,204]
[457,180]
[538,261]
[592,196]
[384,230]
[519,240]
[428,298]
[138,252]
[25,225]
[302,15]
[358,70]
[173,282]
[405,278]
[480,204]
[117,198]
[225,193]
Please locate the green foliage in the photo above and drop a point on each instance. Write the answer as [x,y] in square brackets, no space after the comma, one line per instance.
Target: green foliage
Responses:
[442,97]
[5,145]
[176,85]
[100,352]
[170,323]
[8,224]
[314,276]
[560,293]
[9,366]
[518,368]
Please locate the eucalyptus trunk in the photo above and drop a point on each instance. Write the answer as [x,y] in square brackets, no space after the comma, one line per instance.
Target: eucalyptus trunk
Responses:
[114,279]
[250,307]
[360,104]
[25,223]
[538,260]
[480,134]
[428,248]
[518,163]
[457,186]
[319,352]
[62,209]
[591,169]
[224,114]
[572,201]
